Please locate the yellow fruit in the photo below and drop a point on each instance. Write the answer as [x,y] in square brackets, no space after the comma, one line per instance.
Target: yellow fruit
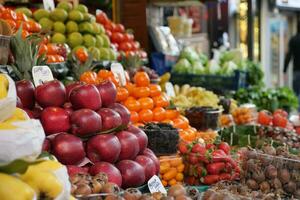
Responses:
[3,86]
[12,188]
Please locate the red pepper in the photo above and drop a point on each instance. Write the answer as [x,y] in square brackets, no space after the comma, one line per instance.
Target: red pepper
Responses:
[225,176]
[215,168]
[220,156]
[210,179]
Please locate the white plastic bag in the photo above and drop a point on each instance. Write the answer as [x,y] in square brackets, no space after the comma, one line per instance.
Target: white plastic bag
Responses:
[25,142]
[8,105]
[62,175]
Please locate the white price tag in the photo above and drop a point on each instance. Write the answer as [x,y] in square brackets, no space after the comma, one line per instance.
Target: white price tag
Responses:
[41,74]
[118,70]
[170,89]
[155,185]
[49,4]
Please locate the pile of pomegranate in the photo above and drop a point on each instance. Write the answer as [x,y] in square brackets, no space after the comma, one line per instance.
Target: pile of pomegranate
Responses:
[88,131]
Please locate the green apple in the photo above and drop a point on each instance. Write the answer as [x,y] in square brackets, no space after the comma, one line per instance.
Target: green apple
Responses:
[95,52]
[86,27]
[75,15]
[104,53]
[67,6]
[41,13]
[46,24]
[106,41]
[59,14]
[58,38]
[24,10]
[71,27]
[89,40]
[99,41]
[82,8]
[74,39]
[59,27]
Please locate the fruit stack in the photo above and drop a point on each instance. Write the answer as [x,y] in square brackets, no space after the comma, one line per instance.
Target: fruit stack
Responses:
[84,124]
[76,27]
[20,18]
[122,40]
[23,174]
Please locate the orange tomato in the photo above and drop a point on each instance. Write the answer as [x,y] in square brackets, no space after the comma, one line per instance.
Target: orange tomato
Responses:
[89,77]
[146,103]
[9,14]
[52,49]
[134,117]
[21,16]
[140,92]
[168,121]
[145,115]
[43,49]
[59,58]
[185,120]
[122,94]
[172,113]
[141,79]
[25,34]
[34,26]
[81,54]
[161,101]
[104,74]
[132,104]
[25,25]
[155,90]
[159,114]
[51,59]
[11,23]
[180,123]
[130,87]
[139,124]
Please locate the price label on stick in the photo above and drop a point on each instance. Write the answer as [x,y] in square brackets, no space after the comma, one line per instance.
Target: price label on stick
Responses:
[41,74]
[170,89]
[155,185]
[119,72]
[49,5]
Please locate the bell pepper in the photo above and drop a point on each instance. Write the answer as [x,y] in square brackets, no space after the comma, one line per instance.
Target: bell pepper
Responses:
[12,188]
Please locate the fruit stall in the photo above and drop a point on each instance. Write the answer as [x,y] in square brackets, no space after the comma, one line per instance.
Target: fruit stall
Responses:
[84,116]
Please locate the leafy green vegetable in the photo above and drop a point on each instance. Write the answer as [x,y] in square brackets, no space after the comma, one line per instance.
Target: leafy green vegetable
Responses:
[268,99]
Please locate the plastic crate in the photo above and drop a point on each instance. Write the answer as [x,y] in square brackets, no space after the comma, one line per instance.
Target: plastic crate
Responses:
[216,83]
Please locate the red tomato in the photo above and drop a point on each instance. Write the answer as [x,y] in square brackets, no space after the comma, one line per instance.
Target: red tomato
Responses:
[279,121]
[22,17]
[264,118]
[119,28]
[117,37]
[25,25]
[102,18]
[281,112]
[108,33]
[125,46]
[43,49]
[110,26]
[135,45]
[128,37]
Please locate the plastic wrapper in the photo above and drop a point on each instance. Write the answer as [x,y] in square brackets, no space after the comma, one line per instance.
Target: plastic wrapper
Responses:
[8,104]
[25,142]
[62,175]
[171,170]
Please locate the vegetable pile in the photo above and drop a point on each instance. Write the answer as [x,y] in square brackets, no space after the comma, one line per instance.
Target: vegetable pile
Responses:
[271,170]
[162,138]
[208,163]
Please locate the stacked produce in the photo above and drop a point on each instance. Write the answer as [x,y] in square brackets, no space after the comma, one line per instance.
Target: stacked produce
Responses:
[20,18]
[187,96]
[208,164]
[24,174]
[271,170]
[122,40]
[76,27]
[85,111]
[171,170]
